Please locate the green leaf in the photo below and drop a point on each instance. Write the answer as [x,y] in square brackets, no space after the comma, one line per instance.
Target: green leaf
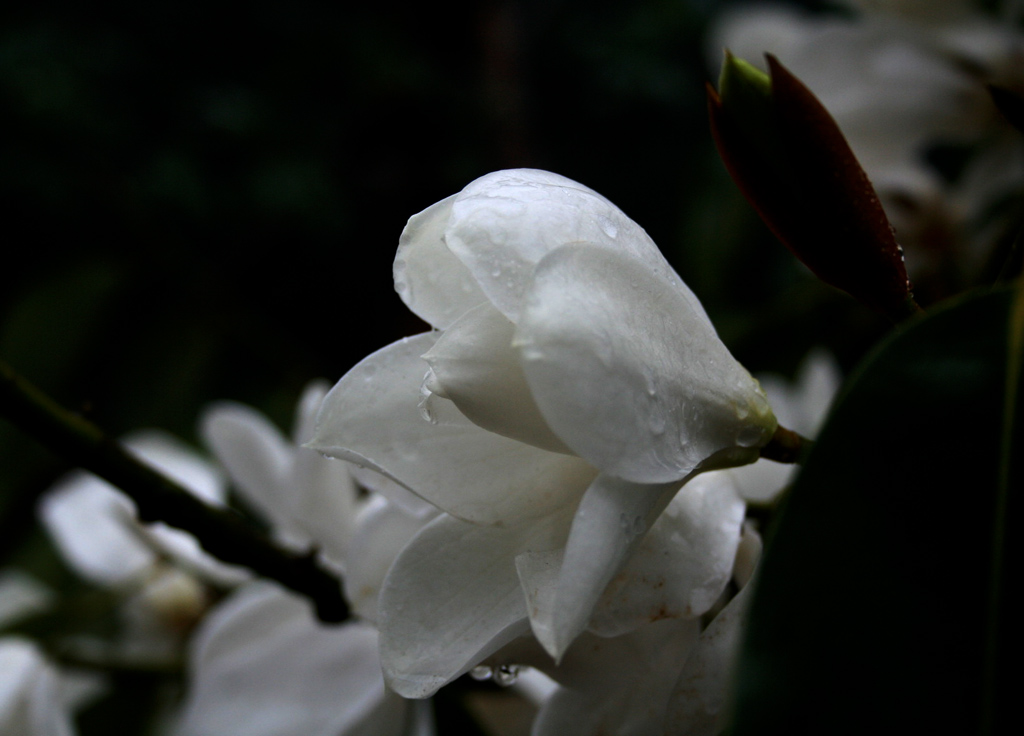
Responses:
[882,601]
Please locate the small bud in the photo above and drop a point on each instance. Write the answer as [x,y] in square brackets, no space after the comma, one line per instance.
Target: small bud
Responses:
[793,164]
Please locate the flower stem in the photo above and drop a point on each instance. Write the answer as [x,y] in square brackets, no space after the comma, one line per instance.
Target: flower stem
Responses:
[221,532]
[786,446]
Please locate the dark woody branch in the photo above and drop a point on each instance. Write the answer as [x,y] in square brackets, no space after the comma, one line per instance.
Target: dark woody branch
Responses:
[221,532]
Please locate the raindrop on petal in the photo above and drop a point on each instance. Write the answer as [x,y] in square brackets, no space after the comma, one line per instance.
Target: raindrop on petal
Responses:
[481,672]
[506,674]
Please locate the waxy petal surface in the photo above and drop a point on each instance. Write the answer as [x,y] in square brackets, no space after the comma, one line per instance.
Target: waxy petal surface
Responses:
[474,365]
[453,597]
[432,282]
[373,417]
[628,374]
[684,563]
[504,223]
[609,525]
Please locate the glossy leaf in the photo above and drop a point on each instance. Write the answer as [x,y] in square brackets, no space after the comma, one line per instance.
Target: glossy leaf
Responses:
[881,604]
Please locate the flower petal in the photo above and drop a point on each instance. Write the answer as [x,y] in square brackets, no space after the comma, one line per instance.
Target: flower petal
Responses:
[474,365]
[609,525]
[382,531]
[262,665]
[618,685]
[95,528]
[31,701]
[432,282]
[253,451]
[372,417]
[453,597]
[684,563]
[502,224]
[698,704]
[629,374]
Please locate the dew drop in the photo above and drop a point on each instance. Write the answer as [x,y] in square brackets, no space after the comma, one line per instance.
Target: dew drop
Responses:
[749,436]
[481,673]
[427,399]
[608,227]
[506,674]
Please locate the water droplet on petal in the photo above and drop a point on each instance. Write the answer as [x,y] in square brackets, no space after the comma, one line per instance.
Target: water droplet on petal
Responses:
[608,227]
[481,672]
[426,400]
[749,436]
[657,423]
[506,674]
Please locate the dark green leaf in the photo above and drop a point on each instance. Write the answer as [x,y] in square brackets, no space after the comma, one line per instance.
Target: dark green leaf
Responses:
[882,605]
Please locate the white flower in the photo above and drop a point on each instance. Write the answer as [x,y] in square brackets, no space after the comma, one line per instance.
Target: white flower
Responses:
[261,664]
[161,571]
[31,700]
[575,385]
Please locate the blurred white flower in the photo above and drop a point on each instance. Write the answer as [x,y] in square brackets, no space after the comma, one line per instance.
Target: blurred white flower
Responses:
[31,700]
[160,571]
[575,384]
[902,77]
[260,663]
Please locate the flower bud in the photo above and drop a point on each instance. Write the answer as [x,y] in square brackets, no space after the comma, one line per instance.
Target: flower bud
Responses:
[793,164]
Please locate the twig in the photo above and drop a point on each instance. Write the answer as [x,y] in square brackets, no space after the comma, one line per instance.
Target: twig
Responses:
[221,532]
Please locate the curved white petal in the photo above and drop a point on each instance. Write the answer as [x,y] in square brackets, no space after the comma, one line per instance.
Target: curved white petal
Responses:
[609,525]
[453,597]
[21,595]
[373,417]
[95,528]
[392,490]
[262,665]
[30,698]
[432,282]
[255,454]
[474,366]
[698,703]
[684,563]
[629,375]
[503,224]
[618,685]
[382,531]
[91,524]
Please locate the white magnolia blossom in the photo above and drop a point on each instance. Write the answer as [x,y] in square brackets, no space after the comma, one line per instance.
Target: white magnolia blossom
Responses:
[260,663]
[160,571]
[572,385]
[900,77]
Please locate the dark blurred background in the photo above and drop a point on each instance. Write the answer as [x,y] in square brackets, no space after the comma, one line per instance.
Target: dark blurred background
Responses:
[202,200]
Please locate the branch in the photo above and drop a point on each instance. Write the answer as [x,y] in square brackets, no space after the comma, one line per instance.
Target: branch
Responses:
[221,532]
